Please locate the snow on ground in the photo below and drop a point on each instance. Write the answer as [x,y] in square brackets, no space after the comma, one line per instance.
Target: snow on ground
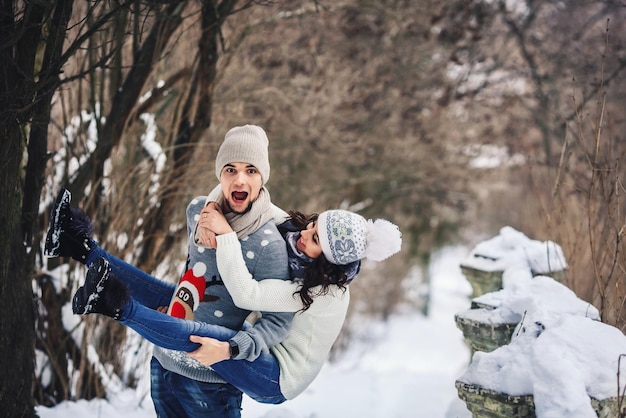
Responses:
[408,370]
[407,367]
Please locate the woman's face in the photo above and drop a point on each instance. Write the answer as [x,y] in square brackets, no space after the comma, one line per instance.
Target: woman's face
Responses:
[309,242]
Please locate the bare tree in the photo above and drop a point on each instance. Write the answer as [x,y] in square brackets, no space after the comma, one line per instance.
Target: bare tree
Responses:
[47,52]
[29,79]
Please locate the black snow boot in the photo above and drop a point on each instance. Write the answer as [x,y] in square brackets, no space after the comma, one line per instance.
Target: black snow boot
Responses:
[102,292]
[69,231]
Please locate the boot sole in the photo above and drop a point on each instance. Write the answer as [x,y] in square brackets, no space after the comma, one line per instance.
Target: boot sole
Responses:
[53,237]
[96,289]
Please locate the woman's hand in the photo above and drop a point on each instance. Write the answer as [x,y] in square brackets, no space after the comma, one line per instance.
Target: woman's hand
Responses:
[211,223]
[211,351]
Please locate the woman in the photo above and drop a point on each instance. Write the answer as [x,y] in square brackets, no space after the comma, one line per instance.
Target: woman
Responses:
[324,257]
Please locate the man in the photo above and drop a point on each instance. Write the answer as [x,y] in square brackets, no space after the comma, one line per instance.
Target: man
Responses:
[180,385]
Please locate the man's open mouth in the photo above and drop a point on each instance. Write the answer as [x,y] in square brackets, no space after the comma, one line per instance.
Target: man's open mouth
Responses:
[239,197]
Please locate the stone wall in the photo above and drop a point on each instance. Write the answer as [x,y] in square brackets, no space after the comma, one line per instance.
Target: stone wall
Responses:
[485,403]
[482,281]
[483,336]
[481,333]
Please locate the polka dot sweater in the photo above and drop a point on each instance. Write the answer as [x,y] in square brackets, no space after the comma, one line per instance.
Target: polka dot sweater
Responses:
[265,256]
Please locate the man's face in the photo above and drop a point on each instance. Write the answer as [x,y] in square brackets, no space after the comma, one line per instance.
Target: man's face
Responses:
[241,185]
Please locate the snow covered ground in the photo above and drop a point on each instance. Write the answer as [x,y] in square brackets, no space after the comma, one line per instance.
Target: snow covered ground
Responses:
[406,370]
[406,367]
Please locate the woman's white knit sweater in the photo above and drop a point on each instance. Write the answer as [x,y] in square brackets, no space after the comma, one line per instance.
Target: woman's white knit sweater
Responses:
[313,332]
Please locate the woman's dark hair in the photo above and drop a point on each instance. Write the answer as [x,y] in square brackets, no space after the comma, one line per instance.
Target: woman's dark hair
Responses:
[320,272]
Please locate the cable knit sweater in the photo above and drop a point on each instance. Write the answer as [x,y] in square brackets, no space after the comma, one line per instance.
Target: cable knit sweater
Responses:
[313,332]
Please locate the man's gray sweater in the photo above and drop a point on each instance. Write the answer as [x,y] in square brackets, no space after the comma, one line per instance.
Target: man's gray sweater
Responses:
[266,258]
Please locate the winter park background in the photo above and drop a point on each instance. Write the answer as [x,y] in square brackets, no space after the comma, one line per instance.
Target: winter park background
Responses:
[407,366]
[453,122]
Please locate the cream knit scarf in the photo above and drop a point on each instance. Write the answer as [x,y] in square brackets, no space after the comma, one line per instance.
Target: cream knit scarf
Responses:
[260,213]
[246,223]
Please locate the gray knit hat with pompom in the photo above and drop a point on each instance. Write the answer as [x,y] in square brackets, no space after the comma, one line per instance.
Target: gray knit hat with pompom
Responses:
[346,237]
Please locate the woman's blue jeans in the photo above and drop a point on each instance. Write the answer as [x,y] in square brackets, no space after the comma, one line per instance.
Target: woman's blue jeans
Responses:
[258,379]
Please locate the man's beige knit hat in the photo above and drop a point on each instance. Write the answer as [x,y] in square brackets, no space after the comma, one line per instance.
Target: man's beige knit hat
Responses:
[245,144]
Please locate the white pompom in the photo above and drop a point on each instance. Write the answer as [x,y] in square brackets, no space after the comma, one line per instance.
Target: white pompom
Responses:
[384,239]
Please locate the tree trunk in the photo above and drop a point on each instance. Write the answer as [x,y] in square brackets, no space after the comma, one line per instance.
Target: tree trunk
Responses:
[24,103]
[17,313]
[17,333]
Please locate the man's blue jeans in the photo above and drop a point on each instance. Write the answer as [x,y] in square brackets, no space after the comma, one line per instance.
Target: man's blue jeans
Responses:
[177,396]
[259,379]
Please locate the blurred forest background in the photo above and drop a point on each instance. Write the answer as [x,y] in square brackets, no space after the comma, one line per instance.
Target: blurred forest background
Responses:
[451,119]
